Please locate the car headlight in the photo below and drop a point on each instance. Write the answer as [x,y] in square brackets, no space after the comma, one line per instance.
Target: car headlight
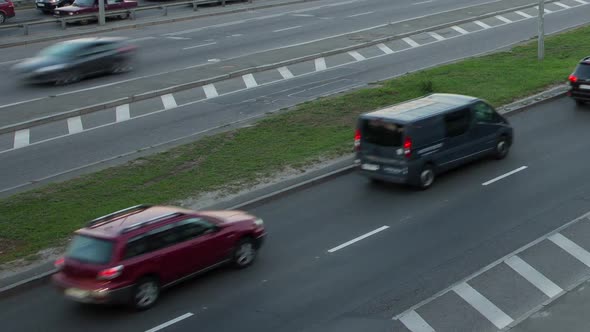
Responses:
[70,13]
[50,68]
[259,222]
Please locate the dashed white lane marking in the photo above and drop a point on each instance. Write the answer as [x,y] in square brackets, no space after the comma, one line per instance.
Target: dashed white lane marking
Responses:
[483,305]
[75,125]
[582,2]
[170,322]
[533,276]
[410,42]
[436,36]
[504,175]
[303,15]
[422,2]
[460,30]
[122,113]
[385,49]
[571,248]
[483,25]
[141,39]
[360,14]
[168,101]
[21,138]
[289,28]
[562,5]
[177,38]
[250,81]
[320,64]
[523,14]
[285,72]
[503,19]
[200,45]
[415,322]
[357,239]
[356,55]
[210,91]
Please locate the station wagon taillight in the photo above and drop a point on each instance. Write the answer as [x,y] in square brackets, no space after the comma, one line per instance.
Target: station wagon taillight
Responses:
[59,263]
[357,140]
[408,147]
[573,78]
[111,273]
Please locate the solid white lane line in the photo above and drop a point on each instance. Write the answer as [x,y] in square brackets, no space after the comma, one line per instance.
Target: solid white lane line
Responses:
[562,5]
[320,64]
[75,125]
[523,14]
[504,175]
[436,36]
[582,2]
[357,239]
[200,45]
[9,62]
[250,81]
[285,72]
[571,248]
[170,322]
[303,15]
[356,55]
[168,101]
[385,49]
[410,42]
[141,39]
[122,113]
[289,28]
[22,138]
[460,30]
[533,276]
[415,322]
[483,305]
[503,19]
[547,11]
[481,24]
[21,102]
[422,2]
[360,14]
[210,91]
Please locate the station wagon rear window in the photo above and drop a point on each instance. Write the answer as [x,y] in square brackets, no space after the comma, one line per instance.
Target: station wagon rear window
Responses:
[92,250]
[383,133]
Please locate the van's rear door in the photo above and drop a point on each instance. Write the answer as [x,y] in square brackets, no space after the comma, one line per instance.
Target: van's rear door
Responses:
[381,143]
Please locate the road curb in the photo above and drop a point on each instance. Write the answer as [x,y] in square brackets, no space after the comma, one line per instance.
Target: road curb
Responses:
[509,110]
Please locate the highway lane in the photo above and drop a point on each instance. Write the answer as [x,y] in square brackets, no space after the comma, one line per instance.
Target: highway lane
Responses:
[36,164]
[434,239]
[182,45]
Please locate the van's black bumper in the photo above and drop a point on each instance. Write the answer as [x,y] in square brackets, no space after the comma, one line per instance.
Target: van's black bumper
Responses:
[394,174]
[579,94]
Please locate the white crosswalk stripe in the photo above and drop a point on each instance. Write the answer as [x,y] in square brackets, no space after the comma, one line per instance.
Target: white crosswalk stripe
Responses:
[483,305]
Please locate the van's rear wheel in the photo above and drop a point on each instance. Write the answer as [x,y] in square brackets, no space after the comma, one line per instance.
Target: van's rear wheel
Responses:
[427,177]
[502,148]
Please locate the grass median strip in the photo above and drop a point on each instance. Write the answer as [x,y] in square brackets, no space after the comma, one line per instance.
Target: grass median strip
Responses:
[315,130]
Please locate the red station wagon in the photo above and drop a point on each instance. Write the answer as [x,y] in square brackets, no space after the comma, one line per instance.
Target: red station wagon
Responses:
[6,10]
[128,256]
[84,7]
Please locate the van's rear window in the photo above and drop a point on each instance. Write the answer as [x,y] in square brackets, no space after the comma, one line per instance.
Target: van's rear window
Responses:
[383,133]
[90,249]
[583,71]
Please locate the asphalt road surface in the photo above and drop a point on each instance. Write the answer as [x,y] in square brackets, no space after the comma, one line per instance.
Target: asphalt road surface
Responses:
[309,279]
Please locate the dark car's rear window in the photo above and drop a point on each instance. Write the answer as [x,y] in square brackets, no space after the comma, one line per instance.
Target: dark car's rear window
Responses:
[90,249]
[383,133]
[583,70]
[62,49]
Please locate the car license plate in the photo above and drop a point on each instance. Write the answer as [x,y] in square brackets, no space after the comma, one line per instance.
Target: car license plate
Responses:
[40,5]
[585,86]
[370,167]
[76,293]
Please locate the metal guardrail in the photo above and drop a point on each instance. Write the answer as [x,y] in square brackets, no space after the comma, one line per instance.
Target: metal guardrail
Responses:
[128,13]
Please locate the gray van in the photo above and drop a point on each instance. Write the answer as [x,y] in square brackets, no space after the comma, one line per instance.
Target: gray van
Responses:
[412,142]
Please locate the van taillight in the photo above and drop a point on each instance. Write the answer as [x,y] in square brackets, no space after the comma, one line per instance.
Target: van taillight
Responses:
[59,263]
[408,147]
[357,140]
[573,78]
[111,273]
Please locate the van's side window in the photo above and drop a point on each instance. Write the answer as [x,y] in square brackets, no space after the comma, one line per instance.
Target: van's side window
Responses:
[484,112]
[457,123]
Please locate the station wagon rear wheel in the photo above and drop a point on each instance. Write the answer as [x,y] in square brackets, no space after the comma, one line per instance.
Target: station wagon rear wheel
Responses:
[2,18]
[427,177]
[146,293]
[502,148]
[245,253]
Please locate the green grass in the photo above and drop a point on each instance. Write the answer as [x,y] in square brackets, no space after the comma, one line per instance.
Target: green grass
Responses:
[320,129]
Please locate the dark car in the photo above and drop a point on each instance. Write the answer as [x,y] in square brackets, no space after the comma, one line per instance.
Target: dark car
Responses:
[48,6]
[128,256]
[412,142]
[6,10]
[84,7]
[70,61]
[579,82]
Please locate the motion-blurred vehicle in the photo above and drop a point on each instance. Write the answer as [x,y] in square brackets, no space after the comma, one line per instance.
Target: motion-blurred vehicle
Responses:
[48,6]
[579,82]
[128,256]
[73,60]
[6,10]
[85,7]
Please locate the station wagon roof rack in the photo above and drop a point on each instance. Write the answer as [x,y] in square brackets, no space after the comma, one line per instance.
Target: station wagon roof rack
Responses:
[100,220]
[150,221]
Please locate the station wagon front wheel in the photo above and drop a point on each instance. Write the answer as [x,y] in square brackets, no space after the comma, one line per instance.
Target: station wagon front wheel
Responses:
[502,148]
[245,253]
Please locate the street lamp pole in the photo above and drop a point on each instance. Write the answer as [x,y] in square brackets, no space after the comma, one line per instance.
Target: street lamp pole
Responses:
[541,46]
[101,16]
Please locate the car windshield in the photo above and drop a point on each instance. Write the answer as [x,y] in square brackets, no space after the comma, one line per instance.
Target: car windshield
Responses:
[83,3]
[90,249]
[583,70]
[61,50]
[382,133]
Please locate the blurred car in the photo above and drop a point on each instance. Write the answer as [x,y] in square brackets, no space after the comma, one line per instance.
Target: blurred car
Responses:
[84,7]
[128,256]
[579,82]
[70,61]
[48,6]
[6,10]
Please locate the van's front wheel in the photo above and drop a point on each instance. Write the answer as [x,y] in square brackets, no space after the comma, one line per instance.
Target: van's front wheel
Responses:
[427,177]
[502,148]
